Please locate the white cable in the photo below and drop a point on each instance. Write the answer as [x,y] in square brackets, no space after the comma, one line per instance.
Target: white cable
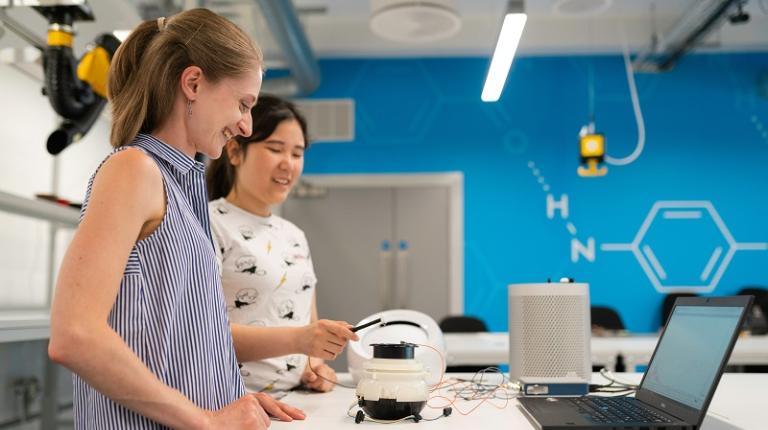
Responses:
[638,115]
[607,374]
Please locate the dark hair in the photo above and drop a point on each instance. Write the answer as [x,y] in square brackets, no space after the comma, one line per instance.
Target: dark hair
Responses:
[145,72]
[267,114]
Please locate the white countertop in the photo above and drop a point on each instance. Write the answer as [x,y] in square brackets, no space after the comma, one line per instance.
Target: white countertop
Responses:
[739,403]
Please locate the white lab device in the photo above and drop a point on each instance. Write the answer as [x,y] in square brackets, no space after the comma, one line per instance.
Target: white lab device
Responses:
[399,325]
[549,338]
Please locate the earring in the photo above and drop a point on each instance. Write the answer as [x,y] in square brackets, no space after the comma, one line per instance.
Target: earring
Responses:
[189,107]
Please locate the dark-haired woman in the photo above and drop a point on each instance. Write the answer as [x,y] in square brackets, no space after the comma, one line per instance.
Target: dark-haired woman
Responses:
[267,274]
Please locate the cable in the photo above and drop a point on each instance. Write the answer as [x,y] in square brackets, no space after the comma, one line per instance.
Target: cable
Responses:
[339,384]
[442,366]
[477,389]
[638,114]
[619,388]
[360,416]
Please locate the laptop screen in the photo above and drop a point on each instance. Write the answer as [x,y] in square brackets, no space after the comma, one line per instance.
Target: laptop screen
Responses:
[690,352]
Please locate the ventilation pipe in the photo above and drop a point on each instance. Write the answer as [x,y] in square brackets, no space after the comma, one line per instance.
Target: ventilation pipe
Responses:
[696,23]
[284,24]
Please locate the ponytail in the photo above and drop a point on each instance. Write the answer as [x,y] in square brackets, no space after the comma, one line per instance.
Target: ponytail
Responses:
[145,72]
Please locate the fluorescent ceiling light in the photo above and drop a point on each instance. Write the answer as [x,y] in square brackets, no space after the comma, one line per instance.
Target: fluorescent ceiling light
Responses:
[506,46]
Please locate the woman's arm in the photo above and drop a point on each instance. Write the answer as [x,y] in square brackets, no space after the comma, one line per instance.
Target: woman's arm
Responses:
[127,202]
[323,338]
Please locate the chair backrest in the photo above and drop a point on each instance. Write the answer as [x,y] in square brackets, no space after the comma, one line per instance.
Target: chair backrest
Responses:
[757,320]
[606,318]
[760,293]
[462,324]
[669,302]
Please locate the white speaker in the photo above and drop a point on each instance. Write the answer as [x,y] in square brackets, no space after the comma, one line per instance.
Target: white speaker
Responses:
[549,332]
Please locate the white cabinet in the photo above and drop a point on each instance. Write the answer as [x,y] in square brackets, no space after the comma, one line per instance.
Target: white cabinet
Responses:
[384,242]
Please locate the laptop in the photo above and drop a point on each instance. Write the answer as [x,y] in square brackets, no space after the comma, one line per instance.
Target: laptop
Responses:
[680,381]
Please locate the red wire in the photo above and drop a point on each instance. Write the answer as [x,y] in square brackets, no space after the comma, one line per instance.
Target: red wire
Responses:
[452,402]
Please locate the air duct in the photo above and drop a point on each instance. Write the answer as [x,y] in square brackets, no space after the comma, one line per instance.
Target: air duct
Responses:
[284,24]
[702,18]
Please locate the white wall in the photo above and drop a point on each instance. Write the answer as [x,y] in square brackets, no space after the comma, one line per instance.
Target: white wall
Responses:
[26,168]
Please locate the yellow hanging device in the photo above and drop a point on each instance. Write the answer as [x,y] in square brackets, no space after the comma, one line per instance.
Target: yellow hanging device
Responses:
[591,152]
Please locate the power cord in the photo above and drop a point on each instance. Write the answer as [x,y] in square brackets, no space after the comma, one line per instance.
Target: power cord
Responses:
[614,386]
[338,384]
[360,416]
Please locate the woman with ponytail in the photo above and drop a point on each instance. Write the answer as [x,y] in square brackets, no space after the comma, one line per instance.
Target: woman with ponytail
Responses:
[138,314]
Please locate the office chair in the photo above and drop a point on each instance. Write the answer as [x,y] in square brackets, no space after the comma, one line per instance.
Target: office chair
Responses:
[463,324]
[669,302]
[606,318]
[757,320]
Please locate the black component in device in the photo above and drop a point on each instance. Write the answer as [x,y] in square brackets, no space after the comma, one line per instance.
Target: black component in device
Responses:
[391,409]
[402,350]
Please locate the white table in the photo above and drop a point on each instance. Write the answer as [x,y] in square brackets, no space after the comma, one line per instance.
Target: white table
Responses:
[739,404]
[493,348]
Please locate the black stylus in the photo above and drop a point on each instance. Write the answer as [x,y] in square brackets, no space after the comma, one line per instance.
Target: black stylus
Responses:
[368,324]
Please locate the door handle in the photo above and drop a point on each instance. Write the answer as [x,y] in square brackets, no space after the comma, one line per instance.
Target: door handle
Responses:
[385,275]
[401,293]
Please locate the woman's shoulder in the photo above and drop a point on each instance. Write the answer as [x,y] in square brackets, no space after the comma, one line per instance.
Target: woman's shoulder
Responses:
[127,184]
[132,161]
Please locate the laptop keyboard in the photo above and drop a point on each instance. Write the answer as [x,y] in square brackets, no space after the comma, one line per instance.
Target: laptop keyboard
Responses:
[617,410]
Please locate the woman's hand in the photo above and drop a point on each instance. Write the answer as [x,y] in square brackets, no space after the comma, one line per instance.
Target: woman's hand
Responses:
[244,413]
[325,339]
[323,377]
[277,409]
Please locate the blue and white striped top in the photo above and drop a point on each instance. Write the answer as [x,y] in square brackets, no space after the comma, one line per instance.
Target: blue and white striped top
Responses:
[170,309]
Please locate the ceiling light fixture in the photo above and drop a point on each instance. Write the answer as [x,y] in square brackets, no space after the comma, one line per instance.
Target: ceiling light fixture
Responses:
[506,46]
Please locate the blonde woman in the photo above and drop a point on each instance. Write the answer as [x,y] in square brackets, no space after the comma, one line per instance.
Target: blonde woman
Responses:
[138,314]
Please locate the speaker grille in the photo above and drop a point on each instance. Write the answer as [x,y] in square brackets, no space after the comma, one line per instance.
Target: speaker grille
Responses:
[547,336]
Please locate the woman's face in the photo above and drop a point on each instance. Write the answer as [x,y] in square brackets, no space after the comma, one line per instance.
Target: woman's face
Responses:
[269,169]
[223,110]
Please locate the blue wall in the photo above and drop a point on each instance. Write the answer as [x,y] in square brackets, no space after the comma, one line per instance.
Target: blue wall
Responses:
[707,140]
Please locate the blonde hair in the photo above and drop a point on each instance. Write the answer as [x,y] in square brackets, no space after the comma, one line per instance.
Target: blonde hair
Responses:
[145,72]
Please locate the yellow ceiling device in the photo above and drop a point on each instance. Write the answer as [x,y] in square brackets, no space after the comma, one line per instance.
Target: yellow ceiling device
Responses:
[591,153]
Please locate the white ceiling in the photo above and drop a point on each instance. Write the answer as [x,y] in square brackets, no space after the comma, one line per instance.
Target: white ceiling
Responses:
[340,28]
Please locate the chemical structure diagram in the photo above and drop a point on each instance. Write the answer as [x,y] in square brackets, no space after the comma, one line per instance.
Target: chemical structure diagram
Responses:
[710,245]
